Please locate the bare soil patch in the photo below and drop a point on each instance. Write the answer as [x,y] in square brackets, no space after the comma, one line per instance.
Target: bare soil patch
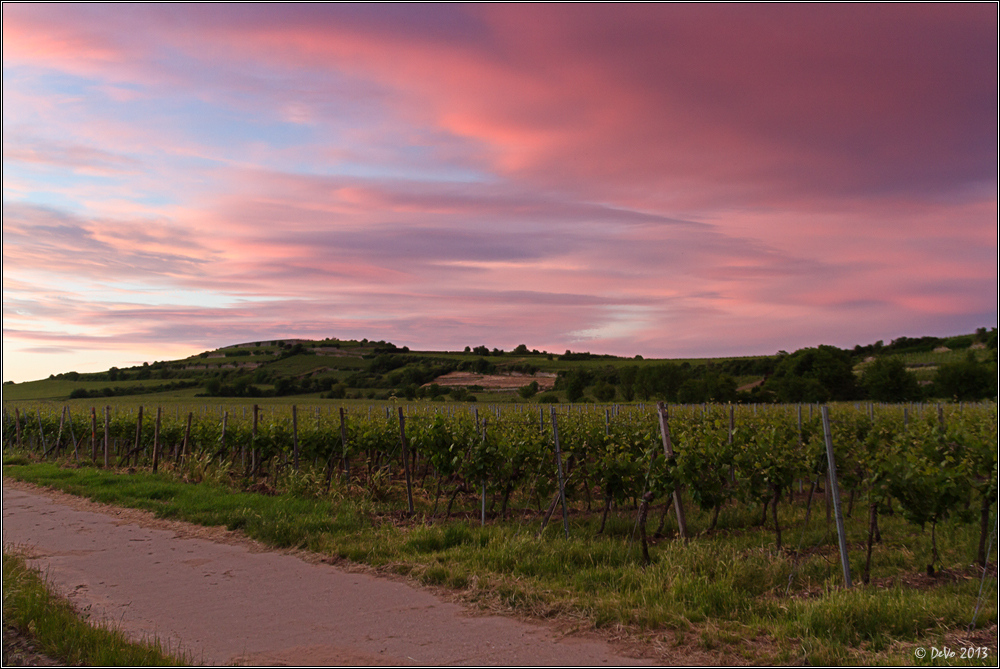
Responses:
[511,381]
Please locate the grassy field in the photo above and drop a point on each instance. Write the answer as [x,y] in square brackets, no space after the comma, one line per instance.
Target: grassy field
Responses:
[727,591]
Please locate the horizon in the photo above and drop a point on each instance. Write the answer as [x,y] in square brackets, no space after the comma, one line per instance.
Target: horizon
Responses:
[532,351]
[670,181]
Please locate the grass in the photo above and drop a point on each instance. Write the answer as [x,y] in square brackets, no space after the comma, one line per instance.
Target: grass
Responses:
[55,629]
[729,592]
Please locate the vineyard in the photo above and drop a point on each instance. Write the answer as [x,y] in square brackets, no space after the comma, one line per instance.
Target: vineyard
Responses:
[874,524]
[926,462]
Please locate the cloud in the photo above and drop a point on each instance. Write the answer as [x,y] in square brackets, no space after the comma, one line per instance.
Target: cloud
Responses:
[662,179]
[42,239]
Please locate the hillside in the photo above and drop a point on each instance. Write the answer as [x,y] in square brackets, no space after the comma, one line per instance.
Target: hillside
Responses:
[962,367]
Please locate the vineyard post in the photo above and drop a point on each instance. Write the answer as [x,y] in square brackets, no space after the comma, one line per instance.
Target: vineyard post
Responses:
[138,436]
[559,469]
[940,412]
[93,434]
[732,429]
[668,450]
[187,439]
[253,440]
[41,433]
[17,426]
[222,438]
[835,493]
[343,444]
[732,423]
[62,423]
[607,422]
[799,414]
[107,432]
[482,516]
[72,435]
[156,437]
[295,438]
[406,460]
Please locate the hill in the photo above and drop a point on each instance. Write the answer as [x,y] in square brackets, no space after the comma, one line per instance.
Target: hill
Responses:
[351,369]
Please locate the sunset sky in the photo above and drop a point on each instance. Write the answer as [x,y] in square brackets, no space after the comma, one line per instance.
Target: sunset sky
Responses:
[664,180]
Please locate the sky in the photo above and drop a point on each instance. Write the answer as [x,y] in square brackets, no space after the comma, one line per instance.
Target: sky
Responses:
[664,180]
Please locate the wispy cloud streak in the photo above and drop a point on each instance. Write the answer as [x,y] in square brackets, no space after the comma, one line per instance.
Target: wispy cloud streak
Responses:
[664,180]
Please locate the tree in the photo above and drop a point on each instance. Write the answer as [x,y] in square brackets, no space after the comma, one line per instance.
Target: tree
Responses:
[814,375]
[886,380]
[604,391]
[966,380]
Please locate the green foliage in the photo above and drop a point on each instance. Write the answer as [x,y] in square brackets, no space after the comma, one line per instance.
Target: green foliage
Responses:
[814,375]
[886,380]
[528,391]
[966,380]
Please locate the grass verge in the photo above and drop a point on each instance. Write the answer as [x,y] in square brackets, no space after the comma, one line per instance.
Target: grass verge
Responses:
[54,629]
[728,594]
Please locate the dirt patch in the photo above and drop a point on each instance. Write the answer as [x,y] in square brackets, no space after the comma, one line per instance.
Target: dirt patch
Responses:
[18,651]
[335,352]
[749,386]
[511,381]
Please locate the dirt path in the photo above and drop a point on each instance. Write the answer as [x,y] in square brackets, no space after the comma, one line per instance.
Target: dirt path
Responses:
[224,599]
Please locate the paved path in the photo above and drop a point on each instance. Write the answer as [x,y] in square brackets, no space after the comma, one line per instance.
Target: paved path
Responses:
[226,601]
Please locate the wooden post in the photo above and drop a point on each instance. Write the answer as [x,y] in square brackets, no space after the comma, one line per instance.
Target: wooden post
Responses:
[668,450]
[253,440]
[222,446]
[41,433]
[72,434]
[406,461]
[107,433]
[482,519]
[138,436]
[17,426]
[343,444]
[295,438]
[93,434]
[156,437]
[559,469]
[835,493]
[62,423]
[187,439]
[799,412]
[732,423]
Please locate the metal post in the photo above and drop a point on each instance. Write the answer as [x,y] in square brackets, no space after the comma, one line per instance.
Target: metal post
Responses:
[835,493]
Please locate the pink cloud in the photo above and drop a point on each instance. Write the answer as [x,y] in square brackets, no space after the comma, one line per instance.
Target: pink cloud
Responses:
[643,178]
